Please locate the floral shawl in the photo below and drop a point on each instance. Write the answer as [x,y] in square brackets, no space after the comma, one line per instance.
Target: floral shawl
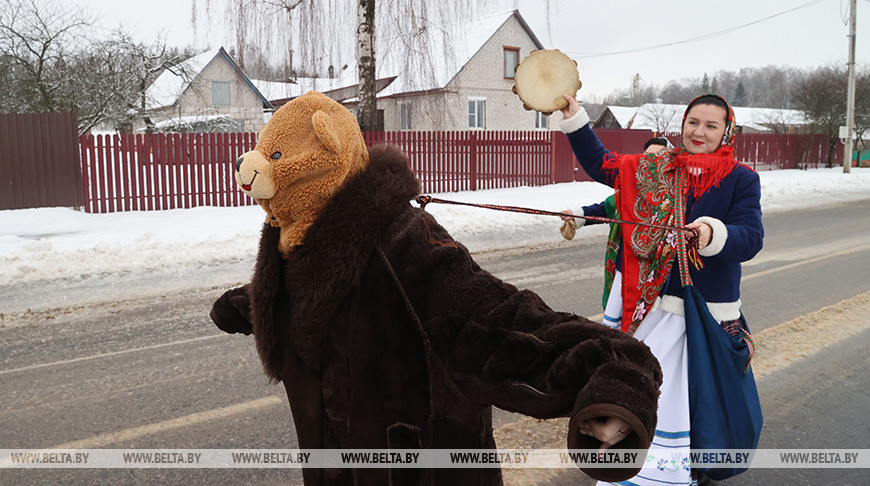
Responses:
[647,190]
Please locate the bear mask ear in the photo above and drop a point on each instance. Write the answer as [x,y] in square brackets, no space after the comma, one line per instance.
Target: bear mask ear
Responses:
[325,131]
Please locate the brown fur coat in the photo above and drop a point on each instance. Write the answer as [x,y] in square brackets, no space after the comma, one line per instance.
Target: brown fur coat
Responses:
[331,323]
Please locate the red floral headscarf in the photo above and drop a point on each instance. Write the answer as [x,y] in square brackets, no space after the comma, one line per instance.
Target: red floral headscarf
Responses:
[707,170]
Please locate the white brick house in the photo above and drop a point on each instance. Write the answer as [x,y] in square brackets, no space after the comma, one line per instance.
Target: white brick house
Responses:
[207,87]
[469,86]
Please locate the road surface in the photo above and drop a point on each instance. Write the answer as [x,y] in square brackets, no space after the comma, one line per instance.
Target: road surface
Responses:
[132,361]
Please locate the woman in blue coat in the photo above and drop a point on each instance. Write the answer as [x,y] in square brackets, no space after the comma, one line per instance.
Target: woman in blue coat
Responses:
[700,185]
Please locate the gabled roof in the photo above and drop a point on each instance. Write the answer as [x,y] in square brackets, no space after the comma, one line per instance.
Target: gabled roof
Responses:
[623,114]
[465,39]
[173,82]
[339,88]
[276,90]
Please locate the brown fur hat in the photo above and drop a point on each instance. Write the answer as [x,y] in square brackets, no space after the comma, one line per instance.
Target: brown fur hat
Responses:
[304,155]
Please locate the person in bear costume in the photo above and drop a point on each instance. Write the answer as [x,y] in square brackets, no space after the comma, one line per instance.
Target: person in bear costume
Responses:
[385,332]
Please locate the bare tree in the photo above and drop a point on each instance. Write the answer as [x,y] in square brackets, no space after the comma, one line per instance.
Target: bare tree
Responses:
[822,97]
[52,61]
[660,116]
[778,121]
[680,92]
[112,76]
[315,34]
[36,39]
[637,93]
[765,87]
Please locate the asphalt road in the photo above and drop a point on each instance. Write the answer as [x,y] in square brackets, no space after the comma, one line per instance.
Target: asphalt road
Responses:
[148,370]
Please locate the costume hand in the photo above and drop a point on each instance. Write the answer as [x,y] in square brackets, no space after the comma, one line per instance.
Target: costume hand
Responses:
[706,233]
[232,312]
[609,431]
[566,218]
[571,108]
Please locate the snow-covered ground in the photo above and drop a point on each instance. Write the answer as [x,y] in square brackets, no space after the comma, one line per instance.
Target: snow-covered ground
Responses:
[62,244]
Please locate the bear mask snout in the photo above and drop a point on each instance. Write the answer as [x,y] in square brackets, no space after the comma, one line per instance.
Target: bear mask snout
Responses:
[254,175]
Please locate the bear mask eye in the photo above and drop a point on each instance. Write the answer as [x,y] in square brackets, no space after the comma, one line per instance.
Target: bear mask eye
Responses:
[276,155]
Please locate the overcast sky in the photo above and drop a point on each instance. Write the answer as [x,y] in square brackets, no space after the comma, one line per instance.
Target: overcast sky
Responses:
[810,36]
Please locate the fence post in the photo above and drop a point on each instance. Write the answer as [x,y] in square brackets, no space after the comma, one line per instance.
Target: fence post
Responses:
[552,140]
[472,160]
[86,164]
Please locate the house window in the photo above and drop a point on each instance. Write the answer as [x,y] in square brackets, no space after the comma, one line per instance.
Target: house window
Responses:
[405,116]
[476,112]
[542,121]
[511,59]
[220,93]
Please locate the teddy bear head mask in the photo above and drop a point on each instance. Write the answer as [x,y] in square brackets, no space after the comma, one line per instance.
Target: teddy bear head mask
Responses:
[305,154]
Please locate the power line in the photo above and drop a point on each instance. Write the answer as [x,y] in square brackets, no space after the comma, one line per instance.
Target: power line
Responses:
[698,38]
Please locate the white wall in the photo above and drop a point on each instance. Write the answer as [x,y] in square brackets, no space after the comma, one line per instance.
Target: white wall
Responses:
[197,98]
[481,77]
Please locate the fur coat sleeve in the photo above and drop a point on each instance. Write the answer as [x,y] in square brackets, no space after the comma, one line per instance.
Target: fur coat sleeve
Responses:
[506,347]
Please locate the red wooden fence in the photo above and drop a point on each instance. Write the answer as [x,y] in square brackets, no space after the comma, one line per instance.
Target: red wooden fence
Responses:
[472,160]
[162,171]
[771,151]
[763,151]
[157,171]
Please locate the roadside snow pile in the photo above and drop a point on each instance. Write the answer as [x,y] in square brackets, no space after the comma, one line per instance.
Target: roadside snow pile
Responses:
[50,243]
[797,189]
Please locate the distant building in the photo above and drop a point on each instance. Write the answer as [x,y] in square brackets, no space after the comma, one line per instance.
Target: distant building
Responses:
[468,87]
[340,88]
[464,84]
[208,92]
[615,117]
[467,84]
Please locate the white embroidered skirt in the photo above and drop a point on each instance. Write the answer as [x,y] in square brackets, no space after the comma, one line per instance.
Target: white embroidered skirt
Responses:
[665,333]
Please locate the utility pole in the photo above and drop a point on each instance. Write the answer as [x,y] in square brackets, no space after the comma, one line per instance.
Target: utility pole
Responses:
[850,96]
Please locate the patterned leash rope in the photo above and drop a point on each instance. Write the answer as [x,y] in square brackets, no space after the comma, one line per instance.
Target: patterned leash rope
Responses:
[692,241]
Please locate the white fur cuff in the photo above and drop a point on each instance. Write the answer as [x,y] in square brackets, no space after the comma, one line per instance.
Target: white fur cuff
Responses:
[580,221]
[576,122]
[717,241]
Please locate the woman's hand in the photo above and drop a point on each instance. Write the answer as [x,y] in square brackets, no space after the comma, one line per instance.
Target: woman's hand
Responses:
[566,211]
[571,108]
[706,233]
[609,432]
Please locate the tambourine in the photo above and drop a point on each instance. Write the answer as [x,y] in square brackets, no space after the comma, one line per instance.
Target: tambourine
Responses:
[543,77]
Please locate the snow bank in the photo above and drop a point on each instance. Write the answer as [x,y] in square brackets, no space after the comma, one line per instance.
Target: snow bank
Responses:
[59,243]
